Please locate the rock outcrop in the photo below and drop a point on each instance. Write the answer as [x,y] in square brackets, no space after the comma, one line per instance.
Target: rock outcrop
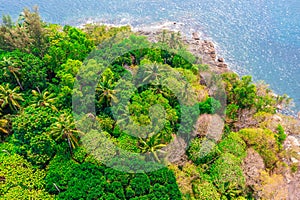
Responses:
[206,50]
[253,164]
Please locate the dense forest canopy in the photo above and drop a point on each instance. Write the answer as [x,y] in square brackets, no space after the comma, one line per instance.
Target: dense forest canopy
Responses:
[93,113]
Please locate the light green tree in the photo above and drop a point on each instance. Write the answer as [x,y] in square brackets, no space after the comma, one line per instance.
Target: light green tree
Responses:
[64,129]
[10,97]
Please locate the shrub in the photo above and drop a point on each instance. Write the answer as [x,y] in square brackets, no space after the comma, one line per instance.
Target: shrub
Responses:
[233,144]
[140,184]
[202,150]
[20,179]
[264,142]
[210,106]
[280,136]
[205,190]
[227,175]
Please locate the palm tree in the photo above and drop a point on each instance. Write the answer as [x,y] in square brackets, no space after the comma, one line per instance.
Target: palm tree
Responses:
[11,67]
[151,145]
[10,97]
[43,99]
[106,91]
[64,128]
[187,93]
[3,126]
[152,72]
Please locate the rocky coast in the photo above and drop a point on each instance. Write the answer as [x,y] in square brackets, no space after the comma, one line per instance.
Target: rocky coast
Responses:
[253,164]
[206,51]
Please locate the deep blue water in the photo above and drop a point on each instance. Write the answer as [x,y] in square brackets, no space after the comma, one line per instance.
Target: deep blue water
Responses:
[257,37]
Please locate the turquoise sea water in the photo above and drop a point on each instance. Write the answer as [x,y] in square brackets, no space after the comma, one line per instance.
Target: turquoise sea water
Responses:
[257,37]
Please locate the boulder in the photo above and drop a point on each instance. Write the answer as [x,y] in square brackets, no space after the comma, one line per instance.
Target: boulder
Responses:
[253,164]
[221,59]
[196,36]
[222,65]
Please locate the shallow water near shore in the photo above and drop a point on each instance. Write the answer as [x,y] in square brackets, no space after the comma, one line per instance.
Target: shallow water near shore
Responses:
[259,37]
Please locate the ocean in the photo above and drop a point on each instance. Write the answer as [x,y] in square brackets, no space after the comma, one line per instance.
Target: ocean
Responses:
[257,37]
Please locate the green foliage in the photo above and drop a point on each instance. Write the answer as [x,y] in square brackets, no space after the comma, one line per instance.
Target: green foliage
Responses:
[243,94]
[19,180]
[44,99]
[10,98]
[66,75]
[264,142]
[30,134]
[240,92]
[39,65]
[128,143]
[64,129]
[4,128]
[202,151]
[105,89]
[27,34]
[233,144]
[138,188]
[148,103]
[188,116]
[280,136]
[100,145]
[232,111]
[22,69]
[95,182]
[100,33]
[209,106]
[152,144]
[106,123]
[205,190]
[66,43]
[59,173]
[227,175]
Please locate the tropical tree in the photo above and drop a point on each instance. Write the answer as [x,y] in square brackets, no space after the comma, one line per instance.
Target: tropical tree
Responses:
[43,99]
[64,128]
[152,72]
[11,67]
[187,94]
[28,34]
[152,144]
[10,97]
[3,126]
[106,91]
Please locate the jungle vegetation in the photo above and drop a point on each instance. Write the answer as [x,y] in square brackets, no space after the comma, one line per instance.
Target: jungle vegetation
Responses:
[42,153]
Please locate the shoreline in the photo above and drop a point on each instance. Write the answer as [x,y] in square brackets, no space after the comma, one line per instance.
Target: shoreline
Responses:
[198,43]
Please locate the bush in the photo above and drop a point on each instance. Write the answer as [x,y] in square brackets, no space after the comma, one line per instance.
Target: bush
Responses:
[20,179]
[30,135]
[227,175]
[202,151]
[205,190]
[140,184]
[233,144]
[264,142]
[210,106]
[280,136]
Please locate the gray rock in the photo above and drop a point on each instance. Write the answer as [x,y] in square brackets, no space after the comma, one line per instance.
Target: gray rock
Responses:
[222,65]
[196,36]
